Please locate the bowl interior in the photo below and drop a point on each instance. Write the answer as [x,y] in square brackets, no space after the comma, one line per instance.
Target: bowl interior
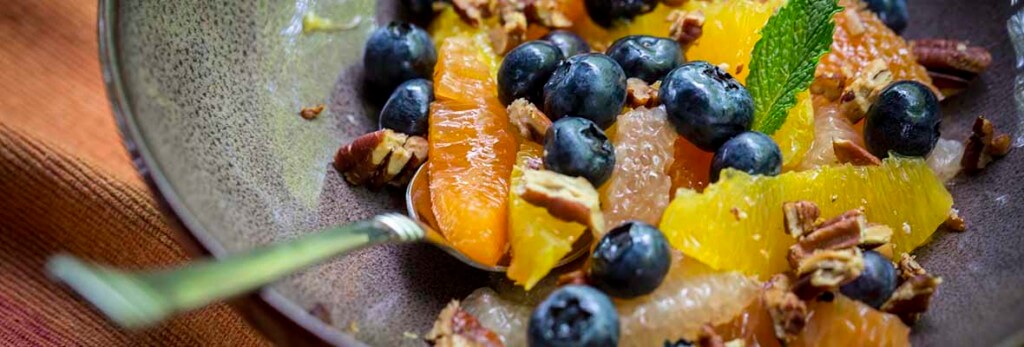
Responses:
[209,93]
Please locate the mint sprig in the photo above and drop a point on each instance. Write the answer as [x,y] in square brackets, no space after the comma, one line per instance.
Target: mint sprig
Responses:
[784,59]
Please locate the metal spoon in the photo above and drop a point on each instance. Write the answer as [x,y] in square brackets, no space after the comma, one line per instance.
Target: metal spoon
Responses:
[139,298]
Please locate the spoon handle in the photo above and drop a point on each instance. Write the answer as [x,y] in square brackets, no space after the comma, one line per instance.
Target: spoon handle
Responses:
[133,299]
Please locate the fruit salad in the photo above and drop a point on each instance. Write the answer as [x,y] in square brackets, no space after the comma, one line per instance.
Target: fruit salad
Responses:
[735,172]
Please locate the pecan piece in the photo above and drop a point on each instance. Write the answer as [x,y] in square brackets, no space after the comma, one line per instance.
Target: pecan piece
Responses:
[548,14]
[952,64]
[954,222]
[529,120]
[512,30]
[788,312]
[455,327]
[874,236]
[864,89]
[830,85]
[474,11]
[686,27]
[800,217]
[911,299]
[983,146]
[849,152]
[835,234]
[571,199]
[826,270]
[381,157]
[638,93]
[309,113]
[909,268]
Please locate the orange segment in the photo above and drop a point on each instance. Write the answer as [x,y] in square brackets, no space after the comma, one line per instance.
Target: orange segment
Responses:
[845,322]
[736,224]
[731,28]
[472,151]
[691,166]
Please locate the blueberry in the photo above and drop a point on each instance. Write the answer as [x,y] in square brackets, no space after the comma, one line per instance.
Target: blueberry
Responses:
[751,152]
[706,104]
[904,120]
[607,12]
[408,107]
[574,315]
[419,11]
[630,260]
[590,85]
[892,12]
[646,57]
[525,69]
[875,284]
[567,41]
[575,146]
[397,53]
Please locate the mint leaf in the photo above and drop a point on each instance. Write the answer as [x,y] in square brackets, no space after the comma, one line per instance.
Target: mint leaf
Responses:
[785,57]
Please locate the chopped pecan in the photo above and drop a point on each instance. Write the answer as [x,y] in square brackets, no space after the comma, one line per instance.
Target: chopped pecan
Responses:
[909,268]
[574,277]
[567,198]
[849,152]
[381,157]
[512,30]
[788,312]
[826,270]
[455,327]
[875,235]
[954,222]
[830,85]
[528,120]
[800,217]
[686,26]
[548,14]
[309,113]
[474,11]
[854,25]
[638,93]
[983,146]
[835,234]
[952,64]
[864,89]
[911,299]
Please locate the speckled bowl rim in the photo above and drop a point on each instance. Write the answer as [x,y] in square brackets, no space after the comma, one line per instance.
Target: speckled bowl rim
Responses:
[163,191]
[151,172]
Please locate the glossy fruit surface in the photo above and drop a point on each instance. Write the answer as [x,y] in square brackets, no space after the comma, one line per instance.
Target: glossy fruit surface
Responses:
[751,152]
[892,12]
[731,28]
[568,42]
[574,315]
[630,260]
[472,151]
[904,120]
[706,105]
[538,240]
[576,147]
[397,53]
[608,12]
[408,107]
[829,124]
[844,322]
[691,166]
[742,214]
[640,186]
[525,70]
[796,136]
[590,85]
[645,57]
[875,284]
[945,159]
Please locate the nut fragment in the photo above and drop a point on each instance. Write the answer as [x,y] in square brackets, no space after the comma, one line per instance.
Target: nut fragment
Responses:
[474,11]
[638,93]
[309,113]
[830,85]
[849,152]
[455,327]
[911,299]
[800,217]
[686,27]
[826,270]
[788,312]
[952,64]
[874,236]
[835,234]
[548,14]
[528,120]
[909,268]
[512,30]
[864,90]
[381,157]
[983,146]
[567,198]
[954,222]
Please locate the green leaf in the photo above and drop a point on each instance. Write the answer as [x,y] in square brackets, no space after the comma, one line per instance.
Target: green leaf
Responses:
[784,59]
